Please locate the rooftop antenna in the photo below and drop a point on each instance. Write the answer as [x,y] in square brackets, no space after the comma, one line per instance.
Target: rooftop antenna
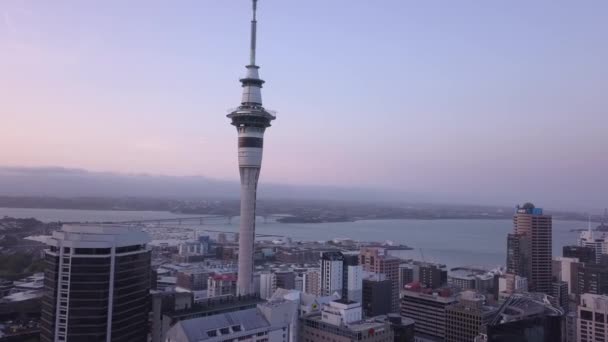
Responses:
[254,24]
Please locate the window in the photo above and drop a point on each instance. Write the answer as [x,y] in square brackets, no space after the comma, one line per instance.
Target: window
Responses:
[586,315]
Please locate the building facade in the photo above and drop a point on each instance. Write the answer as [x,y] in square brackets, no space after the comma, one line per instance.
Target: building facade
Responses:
[583,254]
[311,281]
[530,223]
[268,284]
[340,272]
[592,322]
[593,279]
[433,276]
[518,255]
[595,240]
[465,318]
[428,310]
[193,280]
[566,269]
[285,280]
[376,260]
[332,272]
[376,295]
[341,321]
[221,285]
[352,278]
[97,282]
[559,292]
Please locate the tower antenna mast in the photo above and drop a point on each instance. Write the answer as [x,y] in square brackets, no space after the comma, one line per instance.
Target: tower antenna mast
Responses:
[254,24]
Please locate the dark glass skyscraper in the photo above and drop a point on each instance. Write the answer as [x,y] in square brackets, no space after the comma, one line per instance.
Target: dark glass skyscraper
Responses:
[97,283]
[582,253]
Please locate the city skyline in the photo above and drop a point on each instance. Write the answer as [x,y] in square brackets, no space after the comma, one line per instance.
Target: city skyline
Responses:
[143,91]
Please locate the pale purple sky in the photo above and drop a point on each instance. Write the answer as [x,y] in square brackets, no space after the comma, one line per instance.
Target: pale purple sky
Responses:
[480,100]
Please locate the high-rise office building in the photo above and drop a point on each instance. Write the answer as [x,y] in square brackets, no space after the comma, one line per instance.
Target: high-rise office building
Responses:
[285,280]
[593,278]
[518,254]
[251,120]
[268,284]
[465,318]
[428,310]
[375,259]
[341,273]
[332,272]
[408,273]
[312,282]
[376,294]
[566,269]
[529,247]
[592,322]
[97,282]
[596,240]
[433,275]
[352,278]
[583,254]
[559,292]
[571,326]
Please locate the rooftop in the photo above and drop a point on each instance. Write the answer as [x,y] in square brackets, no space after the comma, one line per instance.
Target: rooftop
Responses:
[211,327]
[21,296]
[224,277]
[523,305]
[98,236]
[363,325]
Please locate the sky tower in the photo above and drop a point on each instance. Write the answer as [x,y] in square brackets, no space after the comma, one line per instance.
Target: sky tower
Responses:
[251,120]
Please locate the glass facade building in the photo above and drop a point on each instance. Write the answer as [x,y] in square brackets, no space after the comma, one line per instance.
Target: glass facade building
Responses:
[97,283]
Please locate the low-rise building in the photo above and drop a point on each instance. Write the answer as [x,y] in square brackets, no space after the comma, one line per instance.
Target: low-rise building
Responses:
[251,325]
[341,321]
[193,280]
[221,285]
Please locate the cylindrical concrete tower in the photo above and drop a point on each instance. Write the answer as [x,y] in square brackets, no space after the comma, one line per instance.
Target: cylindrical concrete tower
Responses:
[251,120]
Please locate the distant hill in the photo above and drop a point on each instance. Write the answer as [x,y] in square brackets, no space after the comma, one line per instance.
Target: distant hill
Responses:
[62,182]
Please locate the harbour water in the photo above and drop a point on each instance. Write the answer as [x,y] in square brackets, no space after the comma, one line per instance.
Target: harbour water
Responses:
[452,242]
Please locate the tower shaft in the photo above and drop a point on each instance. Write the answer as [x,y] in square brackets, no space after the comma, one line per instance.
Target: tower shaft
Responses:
[249,184]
